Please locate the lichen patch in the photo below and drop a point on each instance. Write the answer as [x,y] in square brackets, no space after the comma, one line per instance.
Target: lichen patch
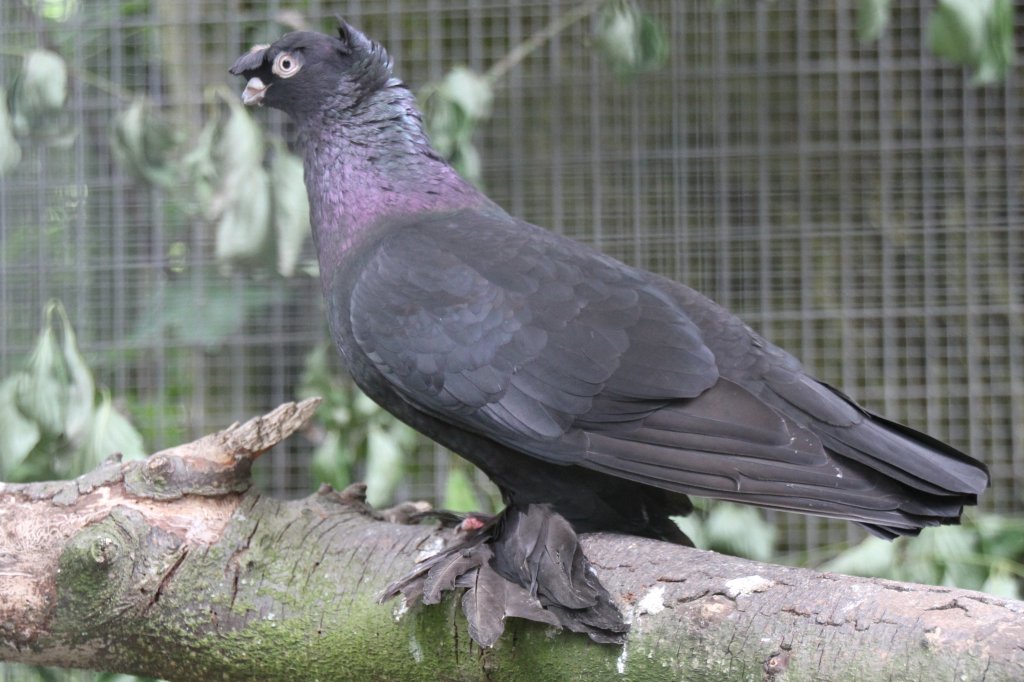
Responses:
[738,587]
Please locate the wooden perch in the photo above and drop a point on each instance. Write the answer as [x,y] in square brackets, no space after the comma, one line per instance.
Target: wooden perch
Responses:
[174,567]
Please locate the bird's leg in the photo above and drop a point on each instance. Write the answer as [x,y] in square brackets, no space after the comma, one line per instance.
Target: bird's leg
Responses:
[524,562]
[474,521]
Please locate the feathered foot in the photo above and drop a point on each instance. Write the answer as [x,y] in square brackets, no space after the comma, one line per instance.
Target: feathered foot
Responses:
[526,562]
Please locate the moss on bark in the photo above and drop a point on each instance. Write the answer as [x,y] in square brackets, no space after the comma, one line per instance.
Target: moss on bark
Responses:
[289,592]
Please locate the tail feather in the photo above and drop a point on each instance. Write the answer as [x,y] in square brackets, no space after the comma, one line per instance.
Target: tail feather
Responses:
[900,452]
[882,475]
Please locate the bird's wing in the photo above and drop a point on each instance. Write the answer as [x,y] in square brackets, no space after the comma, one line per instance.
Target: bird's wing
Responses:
[565,354]
[515,335]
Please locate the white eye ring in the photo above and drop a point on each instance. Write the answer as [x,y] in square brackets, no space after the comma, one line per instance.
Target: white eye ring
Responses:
[286,65]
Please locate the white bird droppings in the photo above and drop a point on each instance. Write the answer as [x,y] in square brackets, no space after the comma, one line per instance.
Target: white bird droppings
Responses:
[738,587]
[415,649]
[431,547]
[652,602]
[401,609]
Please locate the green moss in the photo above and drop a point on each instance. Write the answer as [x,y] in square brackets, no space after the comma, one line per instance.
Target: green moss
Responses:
[290,590]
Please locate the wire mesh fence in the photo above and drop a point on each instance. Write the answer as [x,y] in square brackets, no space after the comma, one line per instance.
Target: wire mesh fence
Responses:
[856,203]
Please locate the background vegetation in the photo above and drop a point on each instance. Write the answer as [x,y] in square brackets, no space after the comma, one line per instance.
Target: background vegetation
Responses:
[843,174]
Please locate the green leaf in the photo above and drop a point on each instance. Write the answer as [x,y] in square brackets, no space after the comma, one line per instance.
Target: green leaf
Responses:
[363,405]
[872,558]
[629,39]
[693,529]
[943,556]
[740,531]
[42,387]
[872,18]
[332,461]
[617,32]
[458,491]
[49,423]
[466,159]
[39,92]
[145,144]
[243,226]
[384,464]
[44,84]
[290,207]
[240,204]
[974,33]
[452,111]
[56,10]
[1002,583]
[18,434]
[111,433]
[81,393]
[652,43]
[10,151]
[206,320]
[199,167]
[1001,537]
[469,91]
[40,465]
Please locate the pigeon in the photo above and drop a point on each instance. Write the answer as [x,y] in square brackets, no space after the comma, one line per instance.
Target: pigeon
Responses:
[597,396]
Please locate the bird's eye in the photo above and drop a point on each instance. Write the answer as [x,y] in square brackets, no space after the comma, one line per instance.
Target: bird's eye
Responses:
[286,65]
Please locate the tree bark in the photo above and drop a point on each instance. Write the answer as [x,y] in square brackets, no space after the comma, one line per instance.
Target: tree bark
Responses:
[174,567]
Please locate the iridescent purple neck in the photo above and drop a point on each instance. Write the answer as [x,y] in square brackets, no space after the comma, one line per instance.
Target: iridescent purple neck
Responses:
[369,165]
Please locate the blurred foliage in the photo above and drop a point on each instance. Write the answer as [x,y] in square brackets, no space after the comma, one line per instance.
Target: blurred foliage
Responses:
[975,33]
[460,495]
[32,107]
[239,179]
[144,144]
[872,16]
[357,439]
[54,423]
[37,96]
[236,194]
[452,109]
[729,528]
[986,553]
[10,150]
[205,318]
[631,40]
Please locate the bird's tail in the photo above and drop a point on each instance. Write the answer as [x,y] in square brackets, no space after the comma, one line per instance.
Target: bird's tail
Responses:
[837,461]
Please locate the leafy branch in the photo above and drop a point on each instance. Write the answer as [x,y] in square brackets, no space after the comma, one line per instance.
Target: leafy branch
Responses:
[977,34]
[454,107]
[52,422]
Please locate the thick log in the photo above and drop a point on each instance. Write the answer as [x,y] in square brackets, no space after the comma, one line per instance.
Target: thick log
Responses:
[173,567]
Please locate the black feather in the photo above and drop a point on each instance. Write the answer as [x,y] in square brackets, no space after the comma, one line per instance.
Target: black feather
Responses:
[525,563]
[250,61]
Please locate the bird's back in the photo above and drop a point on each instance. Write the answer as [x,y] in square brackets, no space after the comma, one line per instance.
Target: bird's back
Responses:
[537,358]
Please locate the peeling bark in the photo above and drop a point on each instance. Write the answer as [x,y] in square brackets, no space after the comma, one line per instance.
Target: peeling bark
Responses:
[173,567]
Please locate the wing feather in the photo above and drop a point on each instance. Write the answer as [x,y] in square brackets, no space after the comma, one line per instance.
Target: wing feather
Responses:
[556,351]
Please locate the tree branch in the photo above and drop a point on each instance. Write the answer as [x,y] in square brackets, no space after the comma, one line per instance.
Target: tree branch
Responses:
[174,567]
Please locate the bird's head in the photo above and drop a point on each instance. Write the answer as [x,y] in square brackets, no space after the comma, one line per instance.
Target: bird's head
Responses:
[304,71]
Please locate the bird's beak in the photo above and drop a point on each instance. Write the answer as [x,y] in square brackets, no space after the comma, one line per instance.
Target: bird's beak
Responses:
[254,91]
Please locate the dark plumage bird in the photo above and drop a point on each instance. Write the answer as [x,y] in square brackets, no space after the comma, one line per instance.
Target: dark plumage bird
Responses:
[582,386]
